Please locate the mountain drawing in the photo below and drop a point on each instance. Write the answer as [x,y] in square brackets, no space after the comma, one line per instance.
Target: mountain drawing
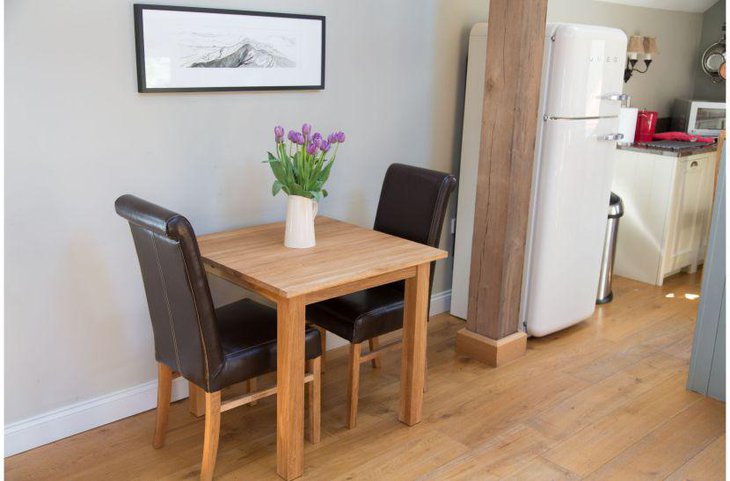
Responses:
[245,54]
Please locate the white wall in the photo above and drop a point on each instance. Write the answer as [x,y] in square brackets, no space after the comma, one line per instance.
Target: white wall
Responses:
[78,135]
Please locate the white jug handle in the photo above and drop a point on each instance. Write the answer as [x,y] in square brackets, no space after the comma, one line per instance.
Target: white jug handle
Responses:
[315,208]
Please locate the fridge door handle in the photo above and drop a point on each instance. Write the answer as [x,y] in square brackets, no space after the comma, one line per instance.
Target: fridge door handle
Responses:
[617,97]
[611,137]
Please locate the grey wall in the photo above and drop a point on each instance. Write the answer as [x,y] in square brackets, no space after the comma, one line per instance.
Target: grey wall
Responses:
[712,21]
[78,135]
[671,74]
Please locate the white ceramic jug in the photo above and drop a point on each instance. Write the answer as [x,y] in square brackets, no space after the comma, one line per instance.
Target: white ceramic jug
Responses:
[300,214]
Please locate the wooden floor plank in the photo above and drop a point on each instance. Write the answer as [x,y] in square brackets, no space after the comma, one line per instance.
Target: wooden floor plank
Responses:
[590,448]
[540,469]
[605,398]
[708,465]
[667,448]
[409,458]
[525,397]
[500,456]
[595,402]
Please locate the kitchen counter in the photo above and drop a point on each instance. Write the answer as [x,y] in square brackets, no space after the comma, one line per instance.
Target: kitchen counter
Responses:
[702,148]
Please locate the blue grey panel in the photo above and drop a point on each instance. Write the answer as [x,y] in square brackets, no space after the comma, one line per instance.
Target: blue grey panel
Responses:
[707,367]
[716,386]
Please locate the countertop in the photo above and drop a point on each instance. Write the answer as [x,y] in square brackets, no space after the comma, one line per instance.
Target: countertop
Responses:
[702,148]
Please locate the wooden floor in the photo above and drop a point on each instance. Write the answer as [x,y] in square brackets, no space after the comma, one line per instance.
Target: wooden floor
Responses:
[605,399]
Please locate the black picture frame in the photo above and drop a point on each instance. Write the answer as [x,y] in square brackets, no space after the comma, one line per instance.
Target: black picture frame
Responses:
[142,84]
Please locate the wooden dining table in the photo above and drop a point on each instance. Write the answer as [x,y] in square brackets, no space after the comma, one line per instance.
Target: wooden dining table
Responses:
[347,258]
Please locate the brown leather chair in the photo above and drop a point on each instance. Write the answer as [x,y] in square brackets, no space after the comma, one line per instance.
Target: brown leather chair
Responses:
[211,348]
[412,205]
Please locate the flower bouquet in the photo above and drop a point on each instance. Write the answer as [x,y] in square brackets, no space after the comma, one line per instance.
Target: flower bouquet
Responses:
[301,167]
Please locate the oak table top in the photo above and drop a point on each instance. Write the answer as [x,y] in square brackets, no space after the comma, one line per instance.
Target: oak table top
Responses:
[344,254]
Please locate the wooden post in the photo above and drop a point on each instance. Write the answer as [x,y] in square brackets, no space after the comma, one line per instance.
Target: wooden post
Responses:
[509,119]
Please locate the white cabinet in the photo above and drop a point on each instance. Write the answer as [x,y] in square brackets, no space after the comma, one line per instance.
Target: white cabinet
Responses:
[667,203]
[686,215]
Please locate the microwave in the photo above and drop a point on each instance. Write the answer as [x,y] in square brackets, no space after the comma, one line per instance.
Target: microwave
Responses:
[698,118]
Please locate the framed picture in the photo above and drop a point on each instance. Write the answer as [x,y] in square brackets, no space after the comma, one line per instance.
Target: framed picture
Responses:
[184,49]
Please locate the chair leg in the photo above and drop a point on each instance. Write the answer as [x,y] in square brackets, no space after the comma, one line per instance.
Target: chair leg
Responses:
[353,386]
[212,433]
[314,397]
[196,400]
[323,341]
[251,386]
[373,343]
[164,393]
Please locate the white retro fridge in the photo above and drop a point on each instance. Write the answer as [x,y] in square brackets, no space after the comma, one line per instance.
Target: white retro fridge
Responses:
[580,98]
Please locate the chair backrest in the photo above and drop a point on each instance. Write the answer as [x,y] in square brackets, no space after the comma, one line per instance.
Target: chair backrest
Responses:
[178,295]
[413,204]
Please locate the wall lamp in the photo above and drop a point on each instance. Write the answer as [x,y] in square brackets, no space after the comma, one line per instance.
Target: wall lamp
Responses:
[645,46]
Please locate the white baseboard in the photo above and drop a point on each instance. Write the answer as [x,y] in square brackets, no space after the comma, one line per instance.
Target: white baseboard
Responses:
[60,423]
[440,302]
[73,419]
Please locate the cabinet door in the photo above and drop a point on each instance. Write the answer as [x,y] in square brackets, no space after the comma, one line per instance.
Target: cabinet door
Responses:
[645,182]
[688,228]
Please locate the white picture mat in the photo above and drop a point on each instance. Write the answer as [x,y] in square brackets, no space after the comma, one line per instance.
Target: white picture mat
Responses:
[169,34]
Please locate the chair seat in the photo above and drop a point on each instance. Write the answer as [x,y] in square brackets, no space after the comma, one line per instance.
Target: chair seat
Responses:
[247,333]
[362,315]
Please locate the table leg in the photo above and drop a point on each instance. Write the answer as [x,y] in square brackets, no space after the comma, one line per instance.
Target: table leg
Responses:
[290,390]
[413,355]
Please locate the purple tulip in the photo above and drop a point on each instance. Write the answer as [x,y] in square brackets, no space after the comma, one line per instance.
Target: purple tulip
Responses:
[279,134]
[317,138]
[292,136]
[306,129]
[311,149]
[340,137]
[332,138]
[299,138]
[324,146]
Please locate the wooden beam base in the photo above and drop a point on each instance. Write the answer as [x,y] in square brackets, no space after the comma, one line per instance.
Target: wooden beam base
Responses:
[489,351]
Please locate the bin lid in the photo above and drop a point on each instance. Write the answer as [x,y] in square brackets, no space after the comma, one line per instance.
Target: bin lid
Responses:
[615,207]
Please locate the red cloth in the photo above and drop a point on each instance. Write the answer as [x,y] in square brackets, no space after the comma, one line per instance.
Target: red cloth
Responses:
[683,136]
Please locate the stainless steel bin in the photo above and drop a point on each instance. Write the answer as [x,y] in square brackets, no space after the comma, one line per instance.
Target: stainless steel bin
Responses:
[615,211]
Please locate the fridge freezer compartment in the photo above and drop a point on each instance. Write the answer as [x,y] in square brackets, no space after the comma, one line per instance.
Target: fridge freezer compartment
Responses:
[586,71]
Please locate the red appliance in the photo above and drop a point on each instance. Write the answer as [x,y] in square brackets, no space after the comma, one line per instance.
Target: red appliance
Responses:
[645,126]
